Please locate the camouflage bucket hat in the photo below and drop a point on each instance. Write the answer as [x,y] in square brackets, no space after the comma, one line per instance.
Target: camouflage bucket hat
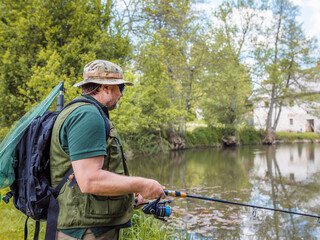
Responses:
[102,72]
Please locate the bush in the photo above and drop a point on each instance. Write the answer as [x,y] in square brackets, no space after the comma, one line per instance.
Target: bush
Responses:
[3,133]
[249,135]
[228,131]
[212,136]
[145,142]
[189,139]
[203,136]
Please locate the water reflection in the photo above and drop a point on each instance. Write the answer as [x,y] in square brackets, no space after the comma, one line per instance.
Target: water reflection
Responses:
[296,163]
[284,176]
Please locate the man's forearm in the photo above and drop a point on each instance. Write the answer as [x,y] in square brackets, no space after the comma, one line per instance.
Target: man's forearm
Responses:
[92,179]
[111,184]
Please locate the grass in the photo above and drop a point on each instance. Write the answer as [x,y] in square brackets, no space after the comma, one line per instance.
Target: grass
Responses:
[13,221]
[146,227]
[291,136]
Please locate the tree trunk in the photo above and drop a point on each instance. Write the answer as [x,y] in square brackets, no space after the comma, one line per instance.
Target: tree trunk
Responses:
[270,138]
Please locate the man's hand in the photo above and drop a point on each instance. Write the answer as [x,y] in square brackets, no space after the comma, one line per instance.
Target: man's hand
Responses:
[152,189]
[140,200]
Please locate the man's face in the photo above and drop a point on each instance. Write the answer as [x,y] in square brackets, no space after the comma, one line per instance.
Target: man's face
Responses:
[114,96]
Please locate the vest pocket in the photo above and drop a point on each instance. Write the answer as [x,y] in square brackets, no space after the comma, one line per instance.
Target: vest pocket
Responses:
[115,161]
[103,207]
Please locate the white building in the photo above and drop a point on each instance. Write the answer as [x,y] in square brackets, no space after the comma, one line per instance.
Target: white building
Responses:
[292,119]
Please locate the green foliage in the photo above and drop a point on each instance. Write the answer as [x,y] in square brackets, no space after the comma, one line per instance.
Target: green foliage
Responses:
[169,57]
[249,135]
[285,61]
[45,42]
[146,142]
[145,113]
[212,136]
[226,82]
[228,131]
[3,132]
[177,60]
[207,136]
[203,136]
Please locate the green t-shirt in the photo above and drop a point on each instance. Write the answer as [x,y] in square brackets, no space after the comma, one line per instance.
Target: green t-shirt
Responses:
[81,137]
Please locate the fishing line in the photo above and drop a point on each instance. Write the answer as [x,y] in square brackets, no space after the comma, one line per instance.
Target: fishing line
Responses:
[184,195]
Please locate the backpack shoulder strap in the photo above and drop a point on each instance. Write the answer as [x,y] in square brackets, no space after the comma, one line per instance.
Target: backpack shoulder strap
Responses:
[99,108]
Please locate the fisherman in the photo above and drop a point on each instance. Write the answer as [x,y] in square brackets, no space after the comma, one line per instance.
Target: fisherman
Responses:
[101,201]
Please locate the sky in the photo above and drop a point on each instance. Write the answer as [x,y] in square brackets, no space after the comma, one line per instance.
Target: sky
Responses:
[309,17]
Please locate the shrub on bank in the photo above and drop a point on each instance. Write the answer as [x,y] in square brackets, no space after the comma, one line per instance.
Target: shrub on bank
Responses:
[212,136]
[249,135]
[203,136]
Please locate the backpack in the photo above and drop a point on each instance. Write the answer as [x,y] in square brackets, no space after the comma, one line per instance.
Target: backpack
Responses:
[32,191]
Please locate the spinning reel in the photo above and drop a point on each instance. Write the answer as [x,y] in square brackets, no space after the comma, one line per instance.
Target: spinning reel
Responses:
[156,208]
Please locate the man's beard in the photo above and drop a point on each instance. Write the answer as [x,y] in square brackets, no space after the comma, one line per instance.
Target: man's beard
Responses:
[114,106]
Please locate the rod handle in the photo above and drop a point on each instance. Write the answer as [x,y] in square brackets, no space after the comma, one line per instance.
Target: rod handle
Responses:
[175,193]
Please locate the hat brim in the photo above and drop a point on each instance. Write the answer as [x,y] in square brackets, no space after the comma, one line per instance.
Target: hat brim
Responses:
[104,81]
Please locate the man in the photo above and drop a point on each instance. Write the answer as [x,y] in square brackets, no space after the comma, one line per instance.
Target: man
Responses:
[102,200]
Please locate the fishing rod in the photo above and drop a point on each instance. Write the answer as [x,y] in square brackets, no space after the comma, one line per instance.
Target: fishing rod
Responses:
[160,210]
[60,101]
[181,194]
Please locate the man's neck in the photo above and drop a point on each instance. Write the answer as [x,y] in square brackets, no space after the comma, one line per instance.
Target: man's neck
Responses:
[99,98]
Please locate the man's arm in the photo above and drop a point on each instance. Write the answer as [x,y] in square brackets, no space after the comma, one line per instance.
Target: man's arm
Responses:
[92,179]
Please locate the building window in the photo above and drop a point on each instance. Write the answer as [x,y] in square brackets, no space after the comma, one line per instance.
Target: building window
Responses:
[291,121]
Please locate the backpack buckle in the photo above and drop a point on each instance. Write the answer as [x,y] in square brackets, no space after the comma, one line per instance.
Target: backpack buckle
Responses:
[72,180]
[7,197]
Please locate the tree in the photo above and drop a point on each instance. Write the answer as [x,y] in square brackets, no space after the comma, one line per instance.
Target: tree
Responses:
[169,53]
[226,83]
[44,42]
[285,61]
[178,33]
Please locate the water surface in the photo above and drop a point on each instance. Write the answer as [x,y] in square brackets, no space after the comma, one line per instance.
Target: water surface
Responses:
[283,176]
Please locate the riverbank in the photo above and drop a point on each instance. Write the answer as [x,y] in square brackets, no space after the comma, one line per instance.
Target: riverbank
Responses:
[204,137]
[217,137]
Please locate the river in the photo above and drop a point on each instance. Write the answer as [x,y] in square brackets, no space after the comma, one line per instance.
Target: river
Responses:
[285,176]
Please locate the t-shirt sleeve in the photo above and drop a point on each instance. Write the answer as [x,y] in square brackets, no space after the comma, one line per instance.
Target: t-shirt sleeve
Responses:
[83,134]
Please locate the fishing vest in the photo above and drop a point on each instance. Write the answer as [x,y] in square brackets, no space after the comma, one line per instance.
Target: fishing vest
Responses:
[83,210]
